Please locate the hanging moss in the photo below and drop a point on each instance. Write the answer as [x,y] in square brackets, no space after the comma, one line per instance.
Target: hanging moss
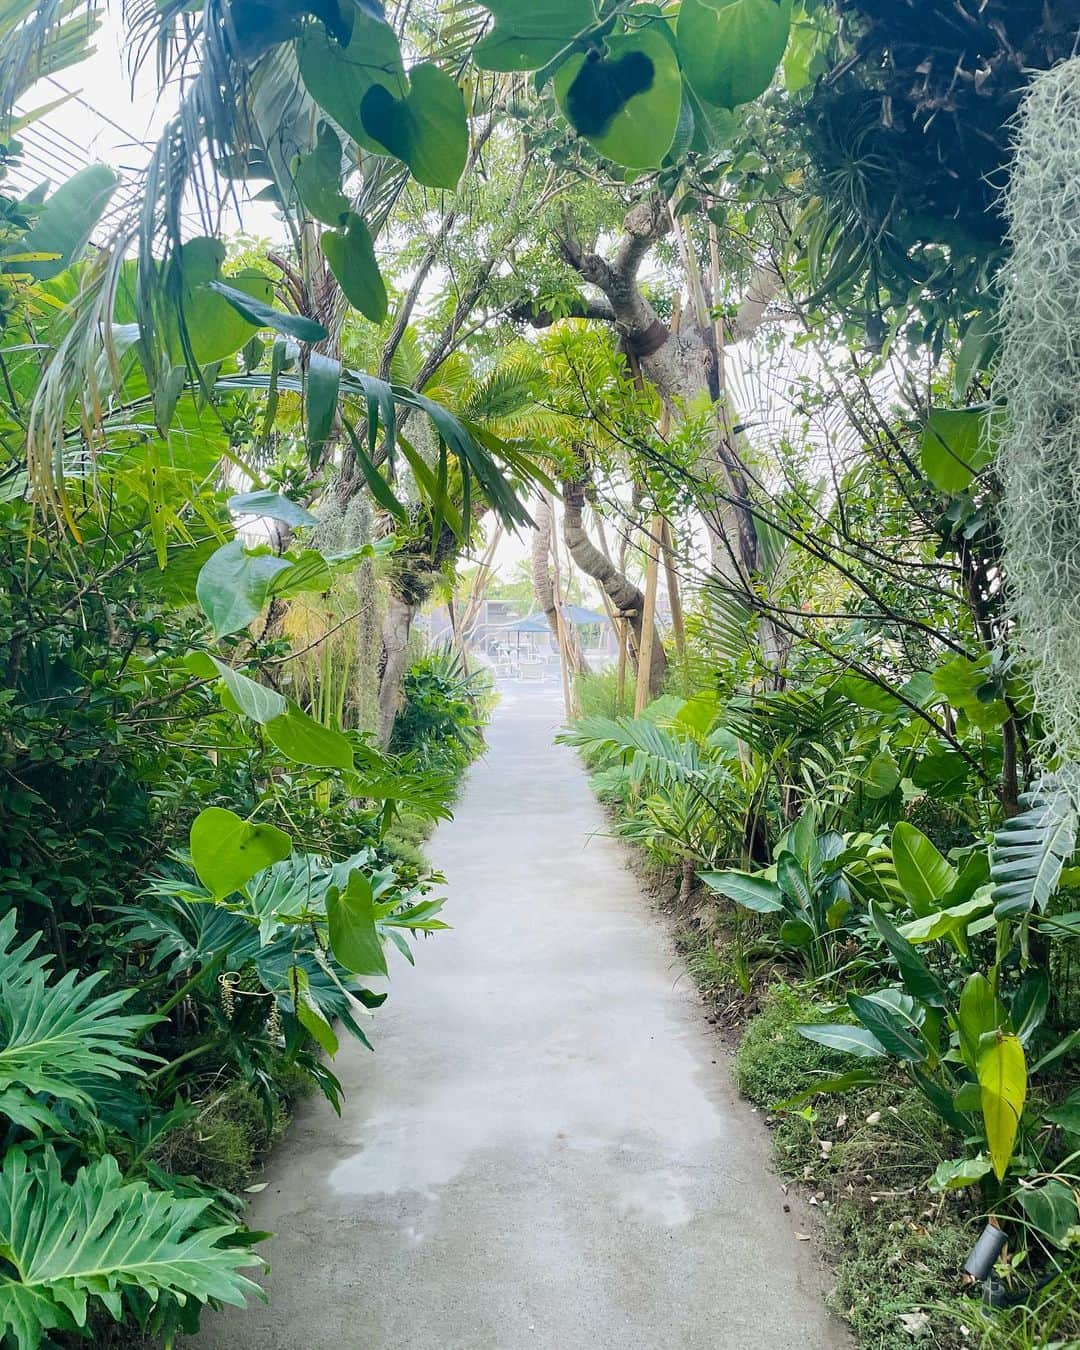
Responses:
[1038,381]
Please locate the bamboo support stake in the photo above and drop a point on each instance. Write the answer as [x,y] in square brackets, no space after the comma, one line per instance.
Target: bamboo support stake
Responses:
[648,617]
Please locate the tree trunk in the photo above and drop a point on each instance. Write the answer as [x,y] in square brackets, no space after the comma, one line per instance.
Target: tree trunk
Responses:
[397,625]
[628,601]
[540,560]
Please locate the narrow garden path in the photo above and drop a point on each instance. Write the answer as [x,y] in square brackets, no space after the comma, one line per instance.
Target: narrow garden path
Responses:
[545,1149]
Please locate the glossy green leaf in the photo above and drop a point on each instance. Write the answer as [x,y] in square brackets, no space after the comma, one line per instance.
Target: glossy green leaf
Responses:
[234,586]
[212,327]
[322,379]
[1051,1209]
[337,78]
[916,974]
[427,129]
[527,34]
[300,738]
[951,1176]
[752,892]
[1029,1004]
[850,1040]
[308,1013]
[925,876]
[350,255]
[66,221]
[1067,1115]
[354,939]
[262,315]
[891,1025]
[796,933]
[730,49]
[942,922]
[274,506]
[881,776]
[227,851]
[244,695]
[955,447]
[1003,1085]
[979,1012]
[625,100]
[318,179]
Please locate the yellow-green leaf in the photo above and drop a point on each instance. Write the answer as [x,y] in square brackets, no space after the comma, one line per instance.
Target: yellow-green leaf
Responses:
[1002,1089]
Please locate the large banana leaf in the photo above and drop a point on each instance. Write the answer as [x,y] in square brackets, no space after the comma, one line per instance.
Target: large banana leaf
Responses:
[69,1244]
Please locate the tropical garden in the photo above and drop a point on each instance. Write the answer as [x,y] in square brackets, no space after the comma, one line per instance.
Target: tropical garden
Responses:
[767,309]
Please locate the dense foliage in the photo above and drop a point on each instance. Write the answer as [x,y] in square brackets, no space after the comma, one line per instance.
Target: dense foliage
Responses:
[768,250]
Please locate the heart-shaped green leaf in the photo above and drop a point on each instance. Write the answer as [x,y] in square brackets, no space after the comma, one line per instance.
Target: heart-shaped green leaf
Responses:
[354,939]
[227,851]
[530,33]
[337,78]
[241,694]
[730,49]
[427,130]
[625,100]
[318,179]
[234,585]
[213,326]
[350,255]
[306,741]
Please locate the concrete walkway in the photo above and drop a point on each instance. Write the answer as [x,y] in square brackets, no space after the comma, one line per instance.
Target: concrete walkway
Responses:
[545,1151]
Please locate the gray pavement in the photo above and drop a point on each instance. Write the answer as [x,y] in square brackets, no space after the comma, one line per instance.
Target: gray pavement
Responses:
[545,1151]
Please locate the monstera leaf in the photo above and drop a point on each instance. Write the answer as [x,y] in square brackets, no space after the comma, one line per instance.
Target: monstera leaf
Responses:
[68,1245]
[530,33]
[626,99]
[730,48]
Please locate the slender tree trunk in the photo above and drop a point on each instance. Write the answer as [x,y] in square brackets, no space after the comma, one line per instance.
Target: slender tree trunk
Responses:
[397,625]
[627,600]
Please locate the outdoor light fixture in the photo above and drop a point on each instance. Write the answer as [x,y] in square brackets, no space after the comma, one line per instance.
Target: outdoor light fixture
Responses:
[980,1262]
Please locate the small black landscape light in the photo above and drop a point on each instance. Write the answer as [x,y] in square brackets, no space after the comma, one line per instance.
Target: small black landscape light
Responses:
[980,1262]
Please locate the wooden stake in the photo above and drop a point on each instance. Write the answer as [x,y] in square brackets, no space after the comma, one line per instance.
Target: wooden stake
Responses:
[648,617]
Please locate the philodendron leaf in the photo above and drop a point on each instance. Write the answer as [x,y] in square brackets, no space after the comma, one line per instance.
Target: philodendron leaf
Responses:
[350,255]
[318,179]
[625,100]
[308,1013]
[1051,1209]
[301,738]
[730,49]
[1003,1088]
[530,33]
[227,851]
[354,939]
[951,1176]
[337,78]
[427,130]
[234,585]
[241,695]
[955,446]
